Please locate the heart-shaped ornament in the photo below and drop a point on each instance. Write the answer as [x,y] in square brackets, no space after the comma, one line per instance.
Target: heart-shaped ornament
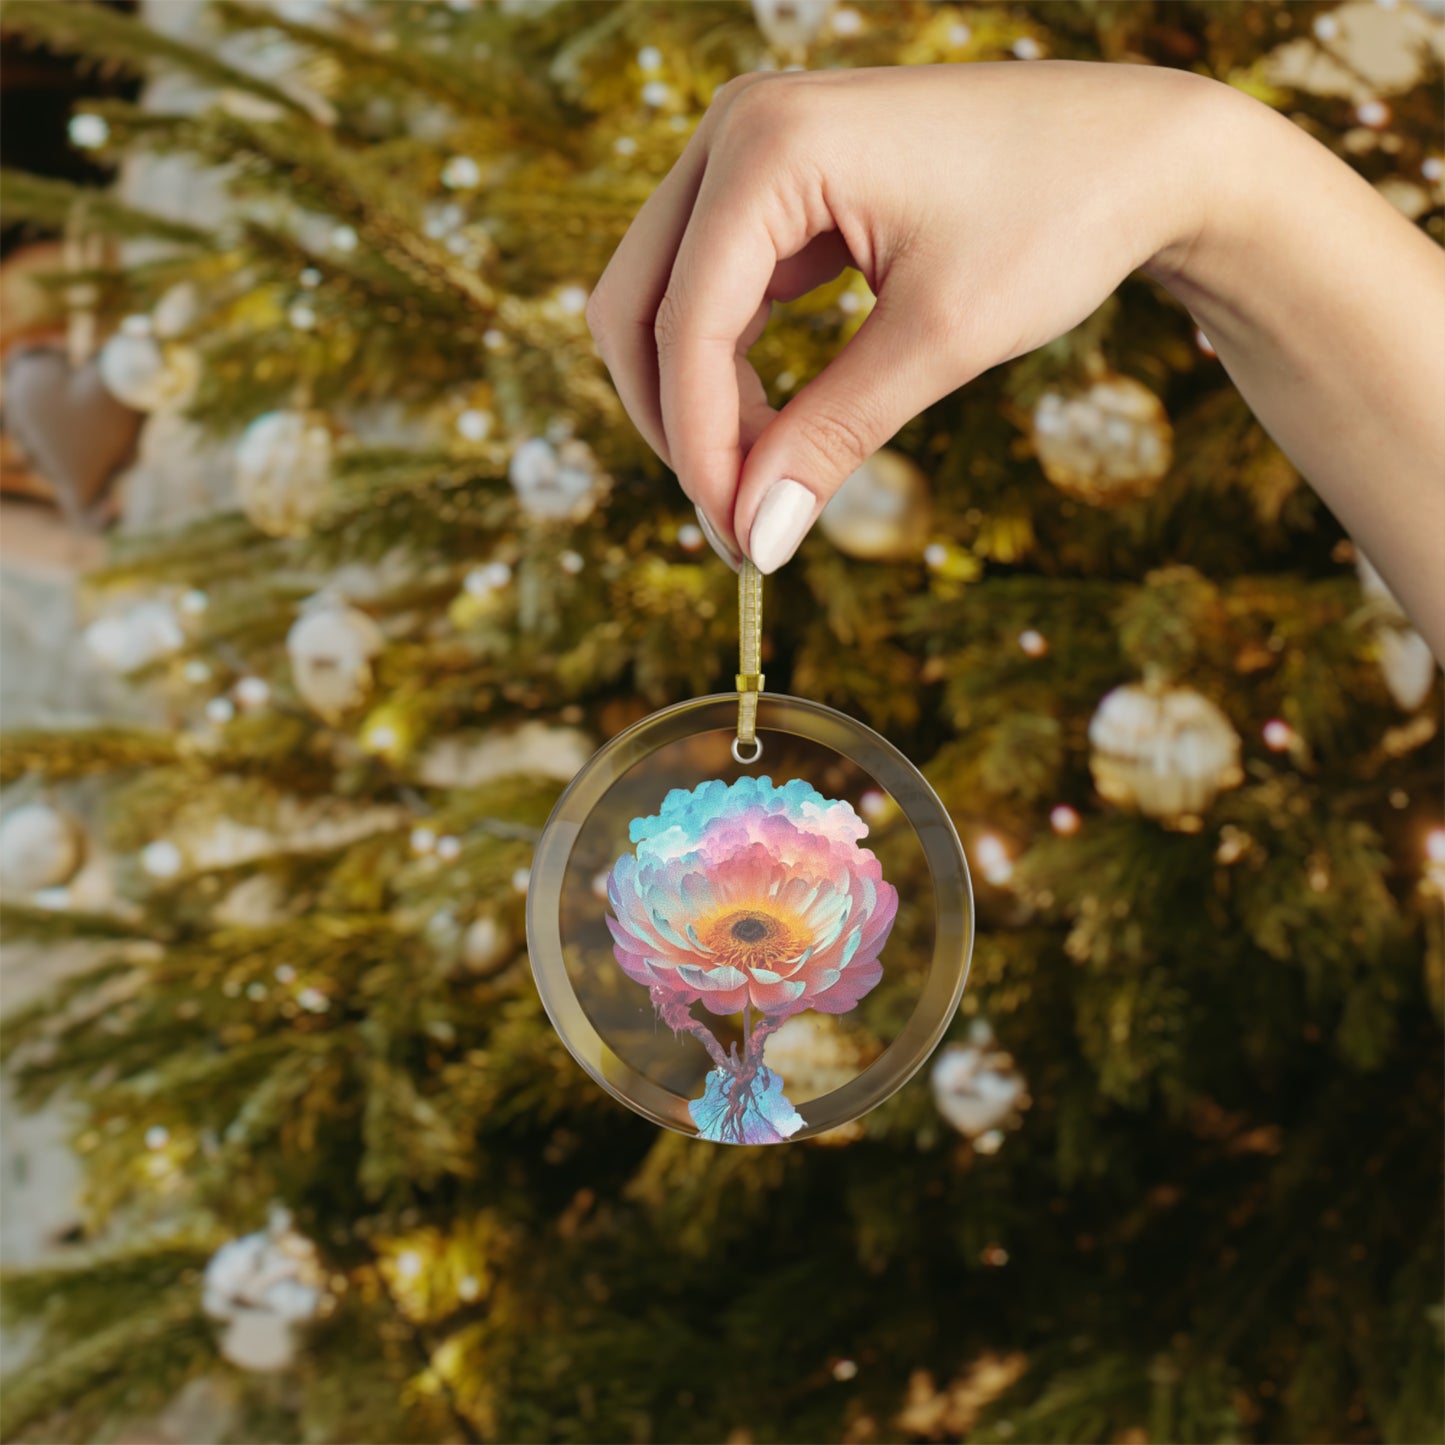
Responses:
[77,435]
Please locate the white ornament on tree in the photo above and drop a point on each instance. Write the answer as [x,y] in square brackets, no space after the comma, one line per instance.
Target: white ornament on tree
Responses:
[791,26]
[555,482]
[487,945]
[976,1086]
[882,512]
[141,634]
[262,1287]
[461,173]
[176,312]
[471,759]
[1167,751]
[40,847]
[1405,656]
[1110,443]
[283,470]
[331,647]
[816,1055]
[88,131]
[162,859]
[147,374]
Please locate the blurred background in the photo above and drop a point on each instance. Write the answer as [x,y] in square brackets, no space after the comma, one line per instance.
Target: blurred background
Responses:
[328,556]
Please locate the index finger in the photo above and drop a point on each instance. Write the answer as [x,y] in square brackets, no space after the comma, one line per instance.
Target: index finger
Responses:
[623,307]
[624,302]
[719,285]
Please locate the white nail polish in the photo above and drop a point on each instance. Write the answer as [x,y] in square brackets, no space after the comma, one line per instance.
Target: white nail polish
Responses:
[783,519]
[716,542]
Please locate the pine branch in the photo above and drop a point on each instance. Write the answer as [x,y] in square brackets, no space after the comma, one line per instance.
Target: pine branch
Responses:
[114,40]
[69,1297]
[425,1351]
[344,184]
[521,110]
[82,752]
[53,204]
[218,547]
[309,165]
[37,1023]
[60,925]
[129,1357]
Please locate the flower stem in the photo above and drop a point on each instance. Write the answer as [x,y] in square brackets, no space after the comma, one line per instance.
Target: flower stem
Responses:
[677,1015]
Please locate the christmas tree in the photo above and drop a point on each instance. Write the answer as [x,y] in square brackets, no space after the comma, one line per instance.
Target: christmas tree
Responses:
[1176,1175]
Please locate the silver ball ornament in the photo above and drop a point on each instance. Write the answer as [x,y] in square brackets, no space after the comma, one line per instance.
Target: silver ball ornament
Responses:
[1405,658]
[1109,443]
[148,374]
[261,1287]
[40,847]
[883,511]
[1167,751]
[331,647]
[143,633]
[283,470]
[555,482]
[976,1086]
[791,26]
[487,945]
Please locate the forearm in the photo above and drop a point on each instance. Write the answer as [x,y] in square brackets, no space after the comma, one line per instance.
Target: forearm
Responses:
[1327,308]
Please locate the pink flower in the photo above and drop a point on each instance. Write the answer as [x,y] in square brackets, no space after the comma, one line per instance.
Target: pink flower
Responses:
[750,894]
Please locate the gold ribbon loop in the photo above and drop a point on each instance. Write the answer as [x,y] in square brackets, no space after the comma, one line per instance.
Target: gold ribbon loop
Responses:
[750,660]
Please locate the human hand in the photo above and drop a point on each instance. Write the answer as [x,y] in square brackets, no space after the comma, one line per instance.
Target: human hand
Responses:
[989,207]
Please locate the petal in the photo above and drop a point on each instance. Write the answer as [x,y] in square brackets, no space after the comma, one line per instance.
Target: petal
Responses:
[711,980]
[828,921]
[870,893]
[800,961]
[798,892]
[697,893]
[726,1003]
[668,932]
[851,987]
[774,997]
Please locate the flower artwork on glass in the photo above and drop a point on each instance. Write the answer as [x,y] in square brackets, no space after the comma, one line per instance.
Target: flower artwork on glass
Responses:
[750,899]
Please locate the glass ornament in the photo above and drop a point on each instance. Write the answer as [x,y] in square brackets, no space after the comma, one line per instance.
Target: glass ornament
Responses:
[1405,658]
[40,847]
[1108,444]
[740,869]
[1167,751]
[883,511]
[791,26]
[143,373]
[283,470]
[331,648]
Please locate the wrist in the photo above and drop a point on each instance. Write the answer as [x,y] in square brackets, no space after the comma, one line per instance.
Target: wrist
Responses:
[1218,144]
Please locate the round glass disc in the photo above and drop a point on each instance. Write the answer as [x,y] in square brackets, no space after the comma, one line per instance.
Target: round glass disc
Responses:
[750,952]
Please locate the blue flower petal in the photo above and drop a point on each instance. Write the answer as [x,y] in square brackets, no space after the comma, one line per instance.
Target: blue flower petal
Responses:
[767,1116]
[685,813]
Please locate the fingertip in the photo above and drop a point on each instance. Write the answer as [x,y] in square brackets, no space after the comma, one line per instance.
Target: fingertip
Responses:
[784,517]
[716,541]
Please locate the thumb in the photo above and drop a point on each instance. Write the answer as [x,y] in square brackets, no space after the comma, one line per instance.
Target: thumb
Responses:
[899,362]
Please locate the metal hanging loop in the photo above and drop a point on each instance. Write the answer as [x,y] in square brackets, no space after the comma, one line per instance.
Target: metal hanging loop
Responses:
[747,746]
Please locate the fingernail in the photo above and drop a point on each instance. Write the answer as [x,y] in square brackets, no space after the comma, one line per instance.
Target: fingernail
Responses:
[715,541]
[781,524]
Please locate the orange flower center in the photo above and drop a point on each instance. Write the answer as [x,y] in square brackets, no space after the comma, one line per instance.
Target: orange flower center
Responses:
[750,938]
